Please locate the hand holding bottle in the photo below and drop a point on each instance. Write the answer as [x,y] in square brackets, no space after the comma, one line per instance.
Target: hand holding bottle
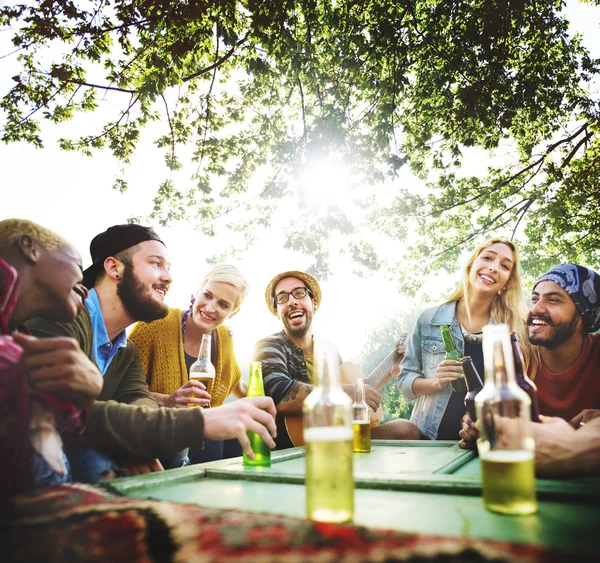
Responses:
[235,420]
[447,372]
[192,394]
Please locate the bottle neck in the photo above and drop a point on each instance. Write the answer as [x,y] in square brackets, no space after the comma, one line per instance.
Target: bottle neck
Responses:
[204,352]
[359,392]
[502,369]
[448,340]
[255,381]
[472,377]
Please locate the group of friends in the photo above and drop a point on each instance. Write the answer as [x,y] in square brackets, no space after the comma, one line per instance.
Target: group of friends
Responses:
[82,400]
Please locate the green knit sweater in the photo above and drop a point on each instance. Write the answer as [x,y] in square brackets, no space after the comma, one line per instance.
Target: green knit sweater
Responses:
[125,421]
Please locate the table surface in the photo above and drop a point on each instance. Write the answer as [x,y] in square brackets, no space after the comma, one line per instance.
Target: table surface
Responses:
[428,487]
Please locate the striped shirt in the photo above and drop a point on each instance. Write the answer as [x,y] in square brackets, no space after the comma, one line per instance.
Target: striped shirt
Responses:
[283,363]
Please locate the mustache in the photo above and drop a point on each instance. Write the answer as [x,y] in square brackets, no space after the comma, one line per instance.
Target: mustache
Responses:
[530,318]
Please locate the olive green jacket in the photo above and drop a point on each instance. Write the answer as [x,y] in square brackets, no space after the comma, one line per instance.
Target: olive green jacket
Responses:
[125,421]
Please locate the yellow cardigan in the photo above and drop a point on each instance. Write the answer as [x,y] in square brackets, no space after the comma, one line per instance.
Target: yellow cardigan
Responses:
[160,345]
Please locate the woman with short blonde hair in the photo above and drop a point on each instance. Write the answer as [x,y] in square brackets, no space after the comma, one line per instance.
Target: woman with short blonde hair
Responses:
[169,346]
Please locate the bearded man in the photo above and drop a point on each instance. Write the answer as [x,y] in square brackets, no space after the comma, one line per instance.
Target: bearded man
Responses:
[127,432]
[564,312]
[288,362]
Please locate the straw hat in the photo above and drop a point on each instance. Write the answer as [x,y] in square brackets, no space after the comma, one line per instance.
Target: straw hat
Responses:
[309,281]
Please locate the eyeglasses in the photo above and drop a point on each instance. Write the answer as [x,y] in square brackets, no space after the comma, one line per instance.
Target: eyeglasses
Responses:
[297,293]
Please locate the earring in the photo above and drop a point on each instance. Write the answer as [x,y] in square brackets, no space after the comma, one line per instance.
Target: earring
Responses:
[192,301]
[501,290]
[117,276]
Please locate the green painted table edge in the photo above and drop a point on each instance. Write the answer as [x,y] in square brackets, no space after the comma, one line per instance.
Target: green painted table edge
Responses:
[441,481]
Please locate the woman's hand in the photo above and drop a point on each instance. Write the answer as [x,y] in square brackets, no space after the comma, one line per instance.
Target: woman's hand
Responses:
[447,372]
[193,393]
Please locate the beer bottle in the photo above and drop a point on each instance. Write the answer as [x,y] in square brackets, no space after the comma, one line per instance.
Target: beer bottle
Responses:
[361,419]
[262,452]
[474,385]
[452,353]
[202,369]
[327,424]
[523,380]
[505,444]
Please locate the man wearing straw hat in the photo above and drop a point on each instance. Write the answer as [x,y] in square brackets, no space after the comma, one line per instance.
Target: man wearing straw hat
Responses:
[287,359]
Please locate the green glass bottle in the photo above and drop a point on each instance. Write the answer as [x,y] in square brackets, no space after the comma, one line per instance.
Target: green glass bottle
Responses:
[452,353]
[262,452]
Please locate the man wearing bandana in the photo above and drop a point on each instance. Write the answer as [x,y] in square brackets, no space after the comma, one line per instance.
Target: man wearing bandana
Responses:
[564,311]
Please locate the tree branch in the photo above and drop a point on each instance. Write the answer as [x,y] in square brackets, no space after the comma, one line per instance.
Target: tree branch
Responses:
[216,64]
[509,180]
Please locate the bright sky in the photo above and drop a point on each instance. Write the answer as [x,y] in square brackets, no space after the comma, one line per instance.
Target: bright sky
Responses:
[72,195]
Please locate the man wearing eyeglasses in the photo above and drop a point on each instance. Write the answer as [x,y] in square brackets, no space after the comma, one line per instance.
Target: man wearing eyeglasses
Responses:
[287,359]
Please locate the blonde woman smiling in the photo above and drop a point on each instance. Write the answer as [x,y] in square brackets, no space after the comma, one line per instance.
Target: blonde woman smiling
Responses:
[491,292]
[169,346]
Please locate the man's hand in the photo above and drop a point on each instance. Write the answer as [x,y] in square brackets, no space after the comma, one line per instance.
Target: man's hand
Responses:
[235,420]
[468,433]
[58,365]
[584,417]
[401,350]
[182,398]
[553,441]
[372,396]
[141,466]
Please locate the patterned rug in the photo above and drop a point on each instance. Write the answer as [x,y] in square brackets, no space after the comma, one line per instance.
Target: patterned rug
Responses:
[84,523]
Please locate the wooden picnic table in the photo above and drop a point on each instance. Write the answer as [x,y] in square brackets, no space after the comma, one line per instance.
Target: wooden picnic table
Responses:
[424,487]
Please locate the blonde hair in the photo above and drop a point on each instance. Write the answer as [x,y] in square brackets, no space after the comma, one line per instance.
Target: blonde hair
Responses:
[11,229]
[225,273]
[508,306]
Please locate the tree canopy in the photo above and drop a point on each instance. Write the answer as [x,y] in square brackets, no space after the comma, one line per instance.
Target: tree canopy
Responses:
[258,88]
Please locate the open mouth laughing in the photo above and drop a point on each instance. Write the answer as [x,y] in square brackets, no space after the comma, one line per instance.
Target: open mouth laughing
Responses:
[161,290]
[537,322]
[487,280]
[296,314]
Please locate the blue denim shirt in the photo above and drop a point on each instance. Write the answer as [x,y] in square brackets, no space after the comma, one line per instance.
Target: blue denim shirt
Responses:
[425,350]
[104,350]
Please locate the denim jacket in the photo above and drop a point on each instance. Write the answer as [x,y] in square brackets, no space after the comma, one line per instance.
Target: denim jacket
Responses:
[425,350]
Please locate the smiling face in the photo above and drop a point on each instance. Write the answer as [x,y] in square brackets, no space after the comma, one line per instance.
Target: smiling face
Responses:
[145,281]
[61,276]
[552,317]
[215,303]
[492,268]
[296,314]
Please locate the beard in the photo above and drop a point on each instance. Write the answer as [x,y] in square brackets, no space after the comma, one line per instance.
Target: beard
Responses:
[134,296]
[561,333]
[299,331]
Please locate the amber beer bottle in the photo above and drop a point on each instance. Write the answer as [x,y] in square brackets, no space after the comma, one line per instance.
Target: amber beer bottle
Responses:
[328,437]
[474,385]
[452,353]
[361,419]
[523,380]
[262,452]
[505,443]
[202,369]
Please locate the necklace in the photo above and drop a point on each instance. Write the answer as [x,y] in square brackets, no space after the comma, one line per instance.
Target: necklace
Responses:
[471,338]
[476,338]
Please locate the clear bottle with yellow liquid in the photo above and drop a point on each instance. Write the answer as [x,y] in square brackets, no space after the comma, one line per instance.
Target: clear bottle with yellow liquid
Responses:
[202,369]
[328,437]
[506,446]
[361,419]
